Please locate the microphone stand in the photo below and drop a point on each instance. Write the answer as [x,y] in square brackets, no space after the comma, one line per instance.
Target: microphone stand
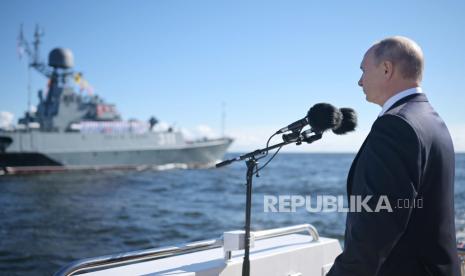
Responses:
[252,167]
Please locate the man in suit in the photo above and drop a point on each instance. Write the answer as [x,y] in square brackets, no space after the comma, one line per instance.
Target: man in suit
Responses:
[408,158]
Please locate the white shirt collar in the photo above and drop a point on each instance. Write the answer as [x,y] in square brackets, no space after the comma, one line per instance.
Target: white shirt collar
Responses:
[392,100]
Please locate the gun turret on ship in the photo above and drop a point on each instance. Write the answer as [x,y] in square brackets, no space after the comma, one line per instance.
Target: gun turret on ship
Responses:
[70,130]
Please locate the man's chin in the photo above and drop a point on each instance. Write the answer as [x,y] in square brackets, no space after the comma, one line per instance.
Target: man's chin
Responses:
[368,99]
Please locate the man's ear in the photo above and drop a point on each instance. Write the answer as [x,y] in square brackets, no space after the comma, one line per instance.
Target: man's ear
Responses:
[388,69]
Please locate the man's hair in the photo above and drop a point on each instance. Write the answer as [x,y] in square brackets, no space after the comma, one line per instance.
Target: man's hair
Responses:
[402,52]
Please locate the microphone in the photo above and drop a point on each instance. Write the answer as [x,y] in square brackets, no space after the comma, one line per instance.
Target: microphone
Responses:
[349,121]
[324,116]
[320,117]
[295,125]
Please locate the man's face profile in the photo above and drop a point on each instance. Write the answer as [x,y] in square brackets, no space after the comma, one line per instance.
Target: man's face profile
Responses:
[372,77]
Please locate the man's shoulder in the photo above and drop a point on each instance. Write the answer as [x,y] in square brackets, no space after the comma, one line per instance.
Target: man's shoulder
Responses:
[415,111]
[418,116]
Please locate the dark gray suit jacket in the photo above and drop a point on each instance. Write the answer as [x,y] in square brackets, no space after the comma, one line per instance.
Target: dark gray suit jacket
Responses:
[409,157]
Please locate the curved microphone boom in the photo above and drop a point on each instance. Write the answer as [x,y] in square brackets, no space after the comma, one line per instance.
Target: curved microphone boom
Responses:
[349,121]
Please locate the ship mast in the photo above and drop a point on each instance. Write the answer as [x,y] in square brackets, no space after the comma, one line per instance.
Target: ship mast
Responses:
[33,53]
[57,71]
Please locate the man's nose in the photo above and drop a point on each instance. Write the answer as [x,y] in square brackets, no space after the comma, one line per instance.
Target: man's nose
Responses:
[360,83]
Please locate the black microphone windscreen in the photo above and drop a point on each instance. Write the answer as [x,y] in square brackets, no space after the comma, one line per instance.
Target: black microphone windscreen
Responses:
[323,116]
[349,121]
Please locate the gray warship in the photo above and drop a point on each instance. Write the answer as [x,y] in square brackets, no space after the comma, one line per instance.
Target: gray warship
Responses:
[72,131]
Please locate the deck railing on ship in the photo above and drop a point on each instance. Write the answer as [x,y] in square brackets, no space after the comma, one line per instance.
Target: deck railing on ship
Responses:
[97,263]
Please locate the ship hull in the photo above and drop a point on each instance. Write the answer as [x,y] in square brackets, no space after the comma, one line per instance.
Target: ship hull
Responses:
[198,154]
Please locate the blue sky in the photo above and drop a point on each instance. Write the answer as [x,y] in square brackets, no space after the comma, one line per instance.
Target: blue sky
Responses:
[269,61]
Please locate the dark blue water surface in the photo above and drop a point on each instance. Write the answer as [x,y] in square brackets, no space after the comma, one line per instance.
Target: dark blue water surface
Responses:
[49,220]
